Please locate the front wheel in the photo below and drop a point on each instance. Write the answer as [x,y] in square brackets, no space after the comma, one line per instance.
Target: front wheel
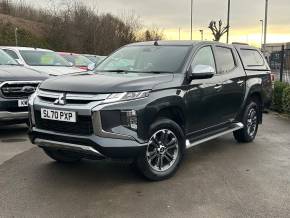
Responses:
[250,121]
[164,151]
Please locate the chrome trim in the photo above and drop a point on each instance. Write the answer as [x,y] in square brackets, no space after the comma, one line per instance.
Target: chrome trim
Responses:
[98,129]
[97,124]
[16,82]
[6,115]
[73,96]
[19,82]
[63,145]
[237,127]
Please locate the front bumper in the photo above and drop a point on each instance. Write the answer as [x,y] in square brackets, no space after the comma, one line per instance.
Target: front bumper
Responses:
[9,111]
[94,145]
[118,142]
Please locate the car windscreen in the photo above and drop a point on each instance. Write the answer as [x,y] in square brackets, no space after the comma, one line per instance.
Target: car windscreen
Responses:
[77,60]
[43,58]
[5,59]
[146,59]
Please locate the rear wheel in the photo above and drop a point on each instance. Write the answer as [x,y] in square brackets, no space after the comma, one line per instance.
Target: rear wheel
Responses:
[164,151]
[62,156]
[250,121]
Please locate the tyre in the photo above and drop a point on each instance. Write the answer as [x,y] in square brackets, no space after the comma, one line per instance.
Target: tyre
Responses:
[250,121]
[62,156]
[164,151]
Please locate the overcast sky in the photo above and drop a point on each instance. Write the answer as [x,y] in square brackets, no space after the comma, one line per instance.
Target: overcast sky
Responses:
[169,15]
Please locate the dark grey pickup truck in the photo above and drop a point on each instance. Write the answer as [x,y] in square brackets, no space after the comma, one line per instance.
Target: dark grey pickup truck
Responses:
[151,101]
[16,84]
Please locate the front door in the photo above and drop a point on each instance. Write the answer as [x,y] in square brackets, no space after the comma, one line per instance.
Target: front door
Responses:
[204,96]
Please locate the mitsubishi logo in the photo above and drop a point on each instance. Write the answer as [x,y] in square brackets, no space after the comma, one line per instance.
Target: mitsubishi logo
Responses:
[61,99]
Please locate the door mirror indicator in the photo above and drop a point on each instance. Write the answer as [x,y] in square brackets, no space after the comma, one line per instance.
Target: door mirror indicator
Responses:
[202,72]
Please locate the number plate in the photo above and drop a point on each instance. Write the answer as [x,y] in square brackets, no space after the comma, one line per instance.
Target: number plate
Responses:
[23,103]
[66,116]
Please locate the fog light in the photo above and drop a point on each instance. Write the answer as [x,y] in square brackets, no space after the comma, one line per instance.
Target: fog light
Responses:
[129,119]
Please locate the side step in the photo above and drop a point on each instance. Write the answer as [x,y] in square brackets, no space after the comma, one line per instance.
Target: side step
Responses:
[234,127]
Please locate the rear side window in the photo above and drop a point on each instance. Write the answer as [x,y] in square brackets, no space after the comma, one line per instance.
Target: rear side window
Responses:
[11,53]
[225,60]
[251,57]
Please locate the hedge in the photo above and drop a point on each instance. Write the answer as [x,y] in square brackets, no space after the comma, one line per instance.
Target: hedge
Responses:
[286,100]
[279,87]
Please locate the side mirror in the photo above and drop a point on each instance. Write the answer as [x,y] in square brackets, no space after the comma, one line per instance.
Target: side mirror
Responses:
[202,72]
[91,66]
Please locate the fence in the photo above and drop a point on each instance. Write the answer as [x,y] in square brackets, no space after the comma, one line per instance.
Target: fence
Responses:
[279,62]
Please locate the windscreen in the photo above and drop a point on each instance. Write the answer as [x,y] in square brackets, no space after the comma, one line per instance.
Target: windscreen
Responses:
[43,58]
[146,59]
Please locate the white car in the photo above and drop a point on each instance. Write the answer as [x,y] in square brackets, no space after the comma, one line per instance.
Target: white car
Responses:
[42,60]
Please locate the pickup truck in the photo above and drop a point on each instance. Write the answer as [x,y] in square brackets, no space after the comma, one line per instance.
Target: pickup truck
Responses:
[151,101]
[16,84]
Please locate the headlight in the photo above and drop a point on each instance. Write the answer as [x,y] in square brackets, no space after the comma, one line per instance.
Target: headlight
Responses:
[126,96]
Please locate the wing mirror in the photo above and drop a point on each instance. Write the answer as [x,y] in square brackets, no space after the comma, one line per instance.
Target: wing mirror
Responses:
[202,72]
[91,66]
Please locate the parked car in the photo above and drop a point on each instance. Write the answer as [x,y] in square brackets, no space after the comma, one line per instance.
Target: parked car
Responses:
[78,60]
[16,84]
[42,60]
[95,58]
[150,102]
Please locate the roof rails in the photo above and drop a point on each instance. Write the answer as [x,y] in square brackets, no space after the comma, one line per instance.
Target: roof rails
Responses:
[239,43]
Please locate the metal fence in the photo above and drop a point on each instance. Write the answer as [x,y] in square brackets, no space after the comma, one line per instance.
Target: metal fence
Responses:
[279,62]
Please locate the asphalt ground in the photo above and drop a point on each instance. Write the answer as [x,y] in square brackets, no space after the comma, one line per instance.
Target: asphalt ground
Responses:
[220,178]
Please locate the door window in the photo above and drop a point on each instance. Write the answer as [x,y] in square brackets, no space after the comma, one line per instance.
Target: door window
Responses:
[204,57]
[11,53]
[225,60]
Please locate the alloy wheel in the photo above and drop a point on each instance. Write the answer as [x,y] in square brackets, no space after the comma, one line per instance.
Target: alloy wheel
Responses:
[162,150]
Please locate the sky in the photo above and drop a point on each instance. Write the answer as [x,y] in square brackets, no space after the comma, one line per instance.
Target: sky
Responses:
[170,15]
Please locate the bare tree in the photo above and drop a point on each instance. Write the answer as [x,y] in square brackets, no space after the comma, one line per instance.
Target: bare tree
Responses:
[218,31]
[151,34]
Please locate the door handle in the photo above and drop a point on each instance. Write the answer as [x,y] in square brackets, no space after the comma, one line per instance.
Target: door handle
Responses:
[241,82]
[217,87]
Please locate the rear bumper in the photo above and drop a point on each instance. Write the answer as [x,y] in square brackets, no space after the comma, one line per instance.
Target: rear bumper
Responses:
[87,145]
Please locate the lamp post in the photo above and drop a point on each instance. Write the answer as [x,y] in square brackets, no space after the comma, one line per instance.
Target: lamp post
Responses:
[201,32]
[228,20]
[191,16]
[266,23]
[262,34]
[16,36]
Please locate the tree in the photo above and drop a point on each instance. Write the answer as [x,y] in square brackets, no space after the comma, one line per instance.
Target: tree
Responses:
[218,31]
[151,34]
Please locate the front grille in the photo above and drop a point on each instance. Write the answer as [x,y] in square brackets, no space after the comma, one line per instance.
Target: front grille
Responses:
[18,89]
[83,126]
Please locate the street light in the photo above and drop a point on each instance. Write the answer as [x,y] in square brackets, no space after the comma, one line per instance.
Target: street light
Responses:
[266,23]
[191,15]
[201,32]
[16,36]
[262,34]
[228,20]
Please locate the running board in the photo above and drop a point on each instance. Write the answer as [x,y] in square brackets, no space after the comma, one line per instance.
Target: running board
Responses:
[236,126]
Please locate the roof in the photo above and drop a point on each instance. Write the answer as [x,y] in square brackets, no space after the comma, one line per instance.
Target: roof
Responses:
[177,43]
[24,48]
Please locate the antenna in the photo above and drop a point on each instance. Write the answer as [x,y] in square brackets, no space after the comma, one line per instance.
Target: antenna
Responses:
[156,43]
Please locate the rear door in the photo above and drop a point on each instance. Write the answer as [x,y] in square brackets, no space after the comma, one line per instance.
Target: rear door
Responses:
[233,79]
